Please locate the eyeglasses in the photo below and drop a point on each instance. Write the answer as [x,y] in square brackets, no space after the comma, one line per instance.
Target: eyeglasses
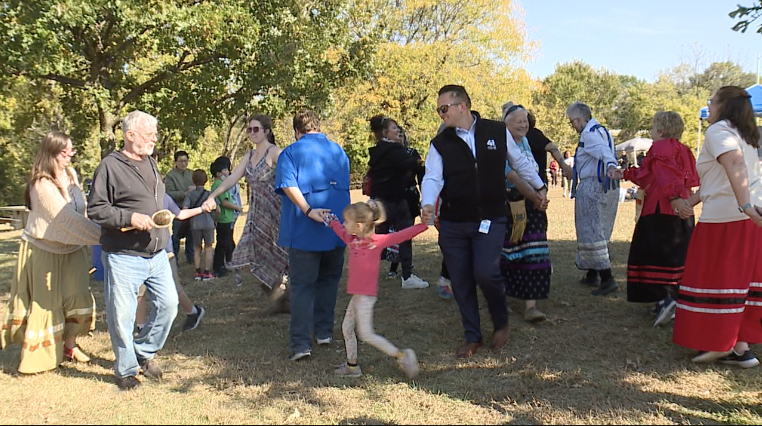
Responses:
[253,129]
[69,152]
[149,136]
[446,107]
[571,121]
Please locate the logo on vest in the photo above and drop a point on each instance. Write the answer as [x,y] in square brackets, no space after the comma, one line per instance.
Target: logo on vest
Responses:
[491,145]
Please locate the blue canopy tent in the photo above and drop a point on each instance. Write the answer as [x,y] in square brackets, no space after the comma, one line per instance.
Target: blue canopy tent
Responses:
[756,102]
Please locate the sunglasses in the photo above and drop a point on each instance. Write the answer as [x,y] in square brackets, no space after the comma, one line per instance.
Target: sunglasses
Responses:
[253,129]
[69,153]
[446,107]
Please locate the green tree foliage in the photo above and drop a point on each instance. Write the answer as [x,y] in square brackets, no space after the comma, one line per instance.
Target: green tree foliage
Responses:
[720,74]
[575,81]
[190,63]
[747,16]
[427,44]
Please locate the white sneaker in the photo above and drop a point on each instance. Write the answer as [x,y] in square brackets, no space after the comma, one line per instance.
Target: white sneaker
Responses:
[326,341]
[409,363]
[414,282]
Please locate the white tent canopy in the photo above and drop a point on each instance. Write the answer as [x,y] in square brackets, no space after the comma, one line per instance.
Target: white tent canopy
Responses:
[635,144]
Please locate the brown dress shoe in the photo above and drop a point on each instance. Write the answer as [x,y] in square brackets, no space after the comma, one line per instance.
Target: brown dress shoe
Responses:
[468,350]
[499,338]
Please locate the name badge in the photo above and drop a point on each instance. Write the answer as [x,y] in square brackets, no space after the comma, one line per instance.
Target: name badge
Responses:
[484,226]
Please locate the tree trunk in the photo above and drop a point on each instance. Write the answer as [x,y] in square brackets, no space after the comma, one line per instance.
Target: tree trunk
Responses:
[107,123]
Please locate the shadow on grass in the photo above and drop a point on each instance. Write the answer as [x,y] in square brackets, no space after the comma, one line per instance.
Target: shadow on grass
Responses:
[594,359]
[590,358]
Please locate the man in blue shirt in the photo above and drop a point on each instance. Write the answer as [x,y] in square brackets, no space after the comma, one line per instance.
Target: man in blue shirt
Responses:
[313,177]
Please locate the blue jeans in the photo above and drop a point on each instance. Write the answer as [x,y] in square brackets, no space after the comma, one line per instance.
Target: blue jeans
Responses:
[123,276]
[314,278]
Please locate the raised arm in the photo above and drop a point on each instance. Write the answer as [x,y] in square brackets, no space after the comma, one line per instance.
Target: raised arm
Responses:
[339,229]
[408,233]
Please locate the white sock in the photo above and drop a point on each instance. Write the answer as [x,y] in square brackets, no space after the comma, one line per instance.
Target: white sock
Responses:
[193,312]
[140,326]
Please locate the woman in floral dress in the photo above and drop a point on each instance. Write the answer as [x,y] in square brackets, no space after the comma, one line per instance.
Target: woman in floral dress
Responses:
[258,247]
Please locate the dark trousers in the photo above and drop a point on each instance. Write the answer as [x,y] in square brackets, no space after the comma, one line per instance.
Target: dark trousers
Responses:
[223,251]
[398,217]
[176,237]
[474,258]
[314,279]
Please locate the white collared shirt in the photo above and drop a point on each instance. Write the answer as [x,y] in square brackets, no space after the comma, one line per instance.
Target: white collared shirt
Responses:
[433,180]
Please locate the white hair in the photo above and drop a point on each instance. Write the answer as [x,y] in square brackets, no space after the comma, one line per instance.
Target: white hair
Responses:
[135,117]
[579,110]
[516,107]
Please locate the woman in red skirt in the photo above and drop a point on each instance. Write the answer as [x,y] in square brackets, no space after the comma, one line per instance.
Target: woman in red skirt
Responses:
[719,309]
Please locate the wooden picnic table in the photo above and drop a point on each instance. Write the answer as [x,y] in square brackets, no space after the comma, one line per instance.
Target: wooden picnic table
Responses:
[15,216]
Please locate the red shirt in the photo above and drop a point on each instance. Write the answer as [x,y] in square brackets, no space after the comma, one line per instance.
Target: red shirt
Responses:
[365,256]
[668,171]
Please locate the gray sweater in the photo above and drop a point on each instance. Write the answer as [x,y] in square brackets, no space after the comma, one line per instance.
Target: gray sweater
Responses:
[118,191]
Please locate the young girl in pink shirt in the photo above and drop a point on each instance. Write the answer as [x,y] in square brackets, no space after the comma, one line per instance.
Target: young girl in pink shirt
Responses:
[365,249]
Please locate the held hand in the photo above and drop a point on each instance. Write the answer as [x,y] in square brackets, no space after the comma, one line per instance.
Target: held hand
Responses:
[540,201]
[318,214]
[682,208]
[427,214]
[141,222]
[209,205]
[615,173]
[426,217]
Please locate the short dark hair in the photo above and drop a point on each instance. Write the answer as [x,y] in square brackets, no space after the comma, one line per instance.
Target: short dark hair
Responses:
[306,121]
[457,92]
[179,154]
[218,165]
[224,161]
[199,177]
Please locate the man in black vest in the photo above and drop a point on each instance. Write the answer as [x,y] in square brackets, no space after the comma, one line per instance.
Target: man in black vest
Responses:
[466,167]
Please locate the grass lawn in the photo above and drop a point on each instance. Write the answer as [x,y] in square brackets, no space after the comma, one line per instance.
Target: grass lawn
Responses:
[595,360]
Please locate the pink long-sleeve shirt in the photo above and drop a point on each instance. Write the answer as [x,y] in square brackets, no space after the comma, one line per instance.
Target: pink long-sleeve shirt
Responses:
[365,256]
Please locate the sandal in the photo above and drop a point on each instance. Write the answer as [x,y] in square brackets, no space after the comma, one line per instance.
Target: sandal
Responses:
[75,354]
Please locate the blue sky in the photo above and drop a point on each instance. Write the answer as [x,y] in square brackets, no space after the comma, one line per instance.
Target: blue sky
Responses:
[637,37]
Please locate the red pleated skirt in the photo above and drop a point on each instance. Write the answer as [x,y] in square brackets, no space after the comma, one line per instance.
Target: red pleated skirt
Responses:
[720,296]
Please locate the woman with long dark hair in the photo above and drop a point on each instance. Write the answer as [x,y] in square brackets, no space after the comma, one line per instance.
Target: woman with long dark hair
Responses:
[51,303]
[388,168]
[719,305]
[258,247]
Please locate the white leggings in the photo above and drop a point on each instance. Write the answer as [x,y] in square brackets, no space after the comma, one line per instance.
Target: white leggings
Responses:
[360,317]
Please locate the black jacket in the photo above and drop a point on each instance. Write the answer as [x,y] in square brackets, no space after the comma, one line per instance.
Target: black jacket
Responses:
[389,168]
[474,188]
[118,190]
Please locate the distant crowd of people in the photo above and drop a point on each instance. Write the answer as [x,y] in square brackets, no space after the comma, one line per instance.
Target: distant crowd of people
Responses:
[482,184]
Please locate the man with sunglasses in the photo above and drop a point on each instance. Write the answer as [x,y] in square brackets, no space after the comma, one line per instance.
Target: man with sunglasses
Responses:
[466,167]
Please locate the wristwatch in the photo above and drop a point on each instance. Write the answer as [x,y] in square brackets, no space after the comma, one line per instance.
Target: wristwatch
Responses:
[744,207]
